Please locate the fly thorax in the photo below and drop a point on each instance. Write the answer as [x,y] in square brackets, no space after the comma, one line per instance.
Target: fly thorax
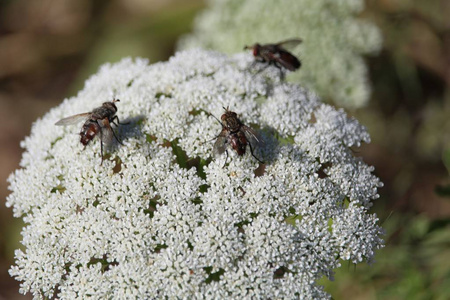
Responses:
[233,124]
[111,106]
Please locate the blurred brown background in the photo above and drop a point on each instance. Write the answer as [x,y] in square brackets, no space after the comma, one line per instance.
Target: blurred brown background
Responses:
[49,47]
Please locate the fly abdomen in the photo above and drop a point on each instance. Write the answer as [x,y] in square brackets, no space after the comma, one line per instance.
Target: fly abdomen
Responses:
[238,142]
[89,131]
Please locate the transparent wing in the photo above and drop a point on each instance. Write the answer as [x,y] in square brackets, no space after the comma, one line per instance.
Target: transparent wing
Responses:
[72,120]
[289,44]
[221,143]
[253,137]
[106,131]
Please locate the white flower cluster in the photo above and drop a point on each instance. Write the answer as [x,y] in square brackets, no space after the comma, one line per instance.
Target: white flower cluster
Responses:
[161,219]
[333,40]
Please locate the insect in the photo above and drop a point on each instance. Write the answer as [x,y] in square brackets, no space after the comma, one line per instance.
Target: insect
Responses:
[275,54]
[97,122]
[237,135]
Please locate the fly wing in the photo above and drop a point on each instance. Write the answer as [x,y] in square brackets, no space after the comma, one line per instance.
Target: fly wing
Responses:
[106,134]
[221,143]
[289,44]
[253,137]
[72,120]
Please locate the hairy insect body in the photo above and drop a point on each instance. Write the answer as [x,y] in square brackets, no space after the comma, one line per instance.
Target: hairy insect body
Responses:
[236,135]
[96,122]
[101,118]
[277,55]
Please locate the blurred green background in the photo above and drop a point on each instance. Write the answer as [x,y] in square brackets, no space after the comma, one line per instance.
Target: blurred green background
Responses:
[48,48]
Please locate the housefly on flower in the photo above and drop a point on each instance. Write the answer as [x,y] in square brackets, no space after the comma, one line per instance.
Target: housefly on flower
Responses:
[236,135]
[277,55]
[96,122]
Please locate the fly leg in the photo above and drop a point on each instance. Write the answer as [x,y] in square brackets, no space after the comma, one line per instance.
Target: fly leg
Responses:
[282,73]
[251,151]
[118,122]
[226,151]
[256,61]
[101,146]
[261,69]
[117,139]
[214,138]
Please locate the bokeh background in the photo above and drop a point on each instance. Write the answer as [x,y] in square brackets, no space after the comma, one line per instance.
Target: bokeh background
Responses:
[48,48]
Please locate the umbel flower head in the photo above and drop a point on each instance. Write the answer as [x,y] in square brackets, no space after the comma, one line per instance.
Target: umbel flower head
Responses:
[161,218]
[333,40]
